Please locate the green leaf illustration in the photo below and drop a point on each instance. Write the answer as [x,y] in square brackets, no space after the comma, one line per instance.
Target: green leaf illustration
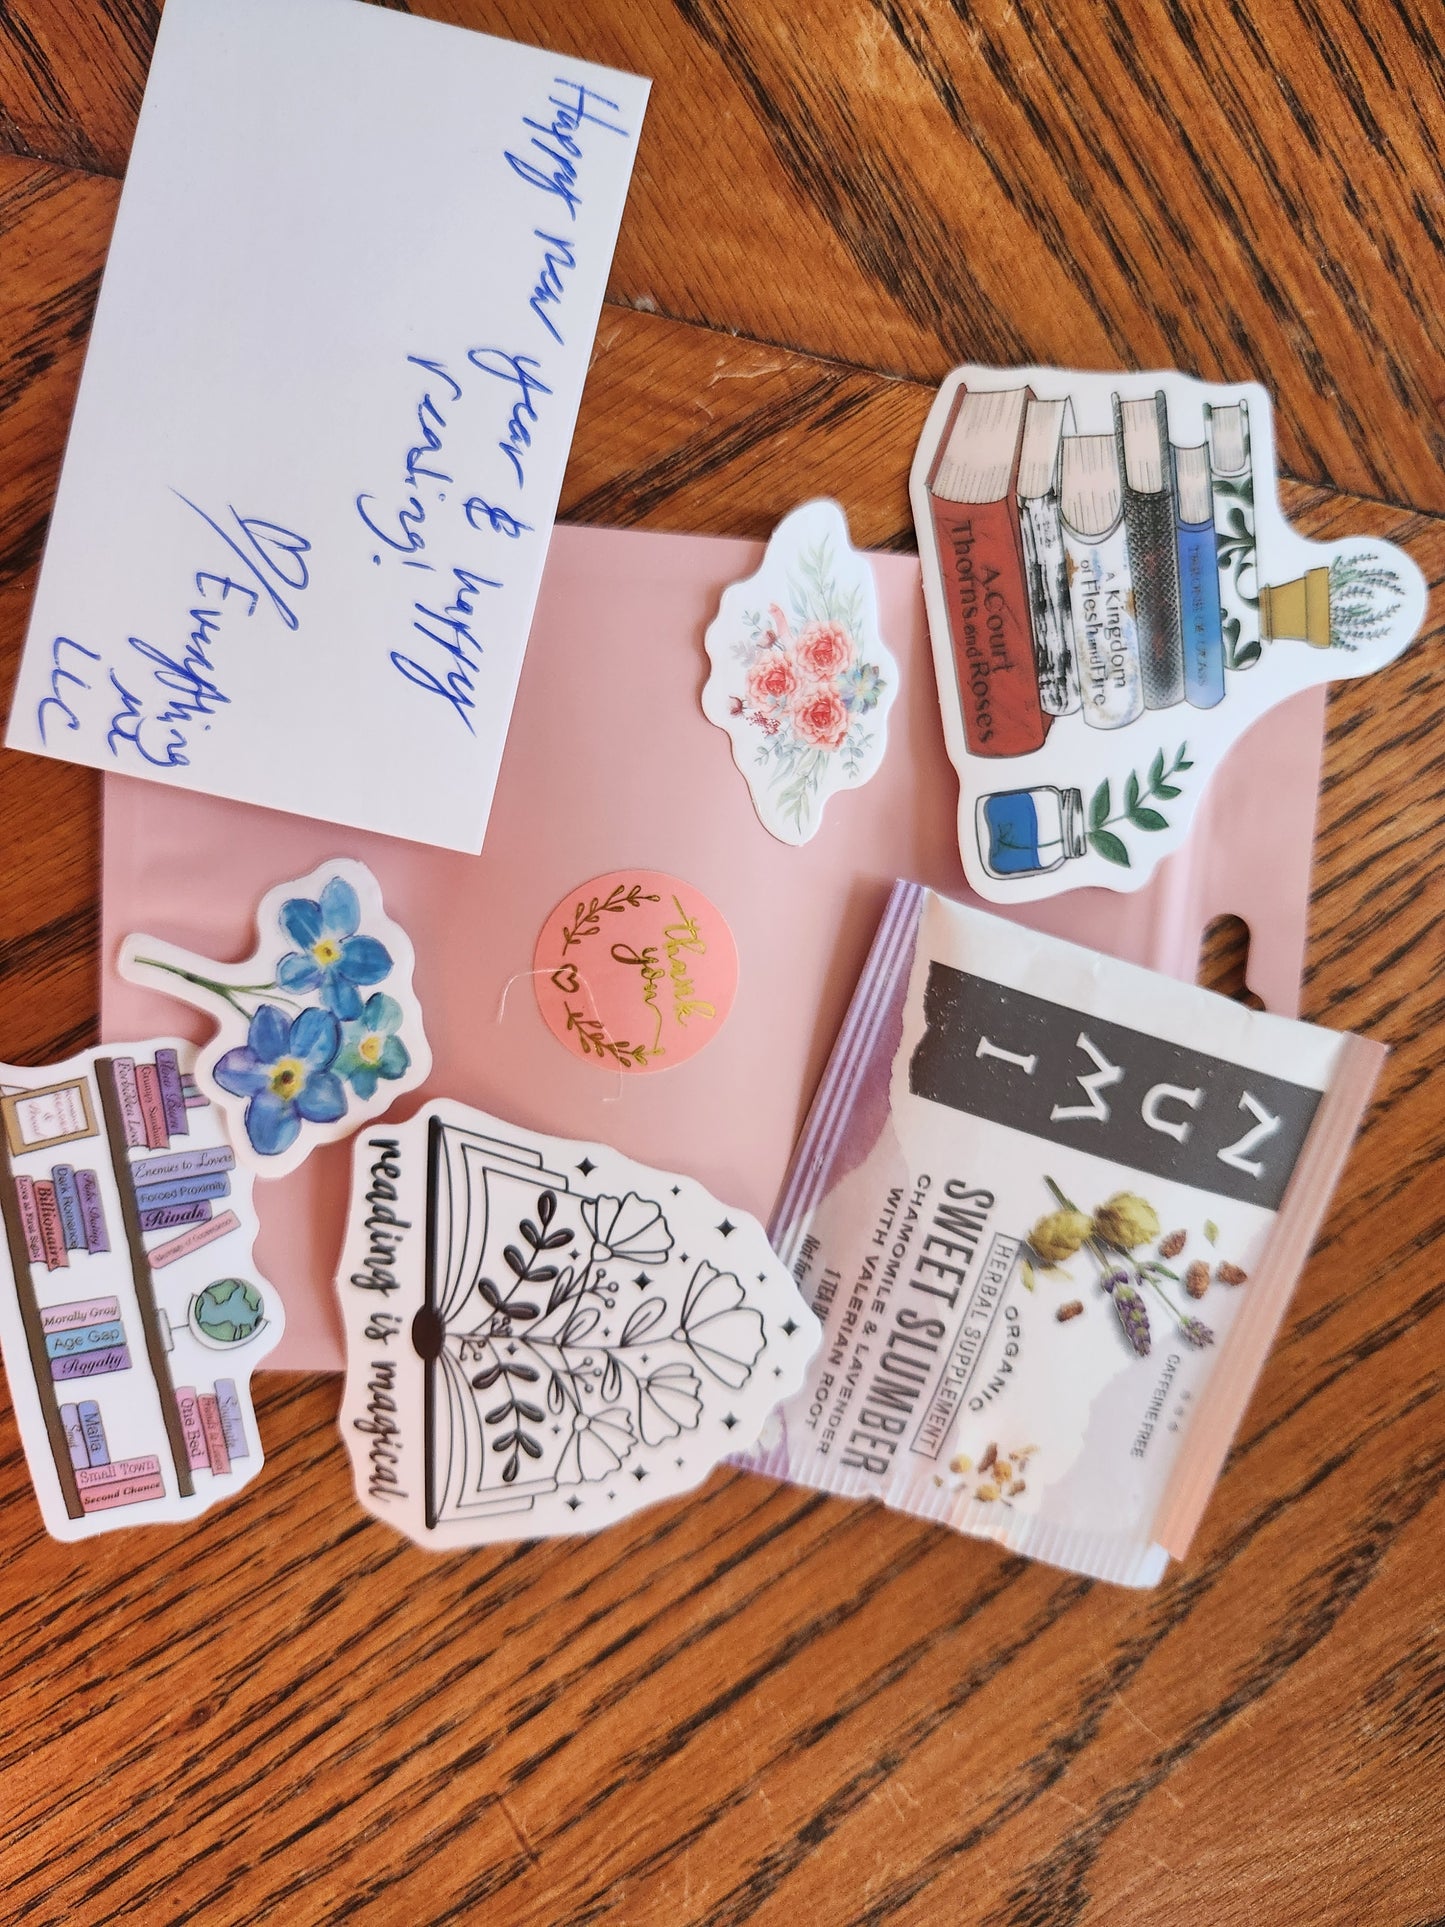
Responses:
[1211,1231]
[1099,808]
[1131,794]
[1167,791]
[1110,847]
[1148,819]
[1156,770]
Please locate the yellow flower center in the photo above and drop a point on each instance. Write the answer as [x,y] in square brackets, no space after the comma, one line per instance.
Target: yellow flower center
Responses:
[288,1076]
[369,1049]
[326,952]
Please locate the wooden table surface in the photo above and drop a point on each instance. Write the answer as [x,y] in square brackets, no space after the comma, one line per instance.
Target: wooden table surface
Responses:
[759,1704]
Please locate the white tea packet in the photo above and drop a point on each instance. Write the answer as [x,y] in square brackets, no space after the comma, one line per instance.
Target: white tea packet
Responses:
[1050,1208]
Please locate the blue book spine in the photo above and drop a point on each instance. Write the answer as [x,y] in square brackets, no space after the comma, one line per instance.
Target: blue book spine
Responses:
[151,1197]
[1200,618]
[67,1201]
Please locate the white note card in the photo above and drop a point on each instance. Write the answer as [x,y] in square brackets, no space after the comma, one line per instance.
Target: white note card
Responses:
[326,409]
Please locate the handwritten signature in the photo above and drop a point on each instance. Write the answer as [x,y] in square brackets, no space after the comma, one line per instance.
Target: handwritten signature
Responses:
[156,720]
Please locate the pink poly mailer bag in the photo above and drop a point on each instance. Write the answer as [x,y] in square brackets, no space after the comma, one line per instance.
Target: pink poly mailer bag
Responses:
[611,762]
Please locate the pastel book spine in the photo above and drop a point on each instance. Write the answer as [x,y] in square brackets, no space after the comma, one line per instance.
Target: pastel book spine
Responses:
[114,1358]
[153,1115]
[30,1219]
[67,1201]
[192,1431]
[173,1097]
[56,1255]
[74,1437]
[1142,430]
[92,1211]
[212,1184]
[1045,565]
[1101,594]
[1201,621]
[220,1458]
[132,1123]
[192,1092]
[233,1426]
[192,1163]
[93,1431]
[985,594]
[165,1217]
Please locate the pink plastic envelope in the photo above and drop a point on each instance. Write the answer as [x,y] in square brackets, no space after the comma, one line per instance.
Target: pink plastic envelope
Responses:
[611,763]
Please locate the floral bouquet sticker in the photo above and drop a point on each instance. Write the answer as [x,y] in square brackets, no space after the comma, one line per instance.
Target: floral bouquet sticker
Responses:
[801,680]
[542,1336]
[319,1029]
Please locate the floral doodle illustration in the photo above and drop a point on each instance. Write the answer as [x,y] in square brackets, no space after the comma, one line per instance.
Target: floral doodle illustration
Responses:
[801,681]
[322,1039]
[563,1331]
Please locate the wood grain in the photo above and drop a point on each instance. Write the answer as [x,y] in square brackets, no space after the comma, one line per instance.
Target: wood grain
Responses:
[760,1705]
[1233,189]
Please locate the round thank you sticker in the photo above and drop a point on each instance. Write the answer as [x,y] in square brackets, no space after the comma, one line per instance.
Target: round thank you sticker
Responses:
[635,971]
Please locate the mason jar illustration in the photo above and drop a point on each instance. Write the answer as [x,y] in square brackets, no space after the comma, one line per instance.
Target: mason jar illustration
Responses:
[1029,832]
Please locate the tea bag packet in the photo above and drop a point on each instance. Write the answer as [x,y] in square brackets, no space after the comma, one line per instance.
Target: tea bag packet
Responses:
[1050,1208]
[131,1312]
[542,1335]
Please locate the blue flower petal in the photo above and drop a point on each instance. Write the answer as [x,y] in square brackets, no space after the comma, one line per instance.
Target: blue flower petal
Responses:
[270,1028]
[298,970]
[340,909]
[363,1081]
[340,995]
[301,920]
[315,1037]
[322,1098]
[382,1013]
[271,1123]
[240,1072]
[364,960]
[394,1059]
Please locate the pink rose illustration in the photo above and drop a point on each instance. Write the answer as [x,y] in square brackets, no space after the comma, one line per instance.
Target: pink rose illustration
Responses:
[771,679]
[824,650]
[820,718]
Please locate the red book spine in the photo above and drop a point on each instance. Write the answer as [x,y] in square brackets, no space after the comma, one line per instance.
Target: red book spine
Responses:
[152,1107]
[51,1229]
[981,565]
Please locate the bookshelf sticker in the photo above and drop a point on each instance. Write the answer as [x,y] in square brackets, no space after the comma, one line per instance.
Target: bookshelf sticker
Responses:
[801,679]
[1114,596]
[543,1336]
[635,971]
[319,1030]
[132,1315]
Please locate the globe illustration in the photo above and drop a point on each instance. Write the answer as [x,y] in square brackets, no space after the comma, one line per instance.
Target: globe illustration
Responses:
[228,1312]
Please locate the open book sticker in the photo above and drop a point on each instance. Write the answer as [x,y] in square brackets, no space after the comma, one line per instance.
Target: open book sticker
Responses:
[1114,596]
[635,971]
[338,352]
[320,1029]
[543,1336]
[131,1313]
[801,679]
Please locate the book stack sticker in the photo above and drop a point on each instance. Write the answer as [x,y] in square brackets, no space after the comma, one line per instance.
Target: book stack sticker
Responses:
[543,1336]
[1114,596]
[134,1315]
